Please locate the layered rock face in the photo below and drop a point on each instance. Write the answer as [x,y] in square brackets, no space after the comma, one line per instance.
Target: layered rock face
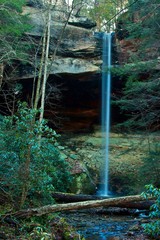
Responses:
[75,70]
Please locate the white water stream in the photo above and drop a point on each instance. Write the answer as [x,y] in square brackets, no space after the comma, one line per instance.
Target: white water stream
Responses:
[106,94]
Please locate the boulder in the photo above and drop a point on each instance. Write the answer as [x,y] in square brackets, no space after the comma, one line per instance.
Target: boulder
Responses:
[61,66]
[81,22]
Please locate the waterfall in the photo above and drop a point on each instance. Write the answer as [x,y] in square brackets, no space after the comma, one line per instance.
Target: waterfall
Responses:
[106,90]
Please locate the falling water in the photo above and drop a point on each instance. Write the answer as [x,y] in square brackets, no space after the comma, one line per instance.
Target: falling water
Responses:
[106,89]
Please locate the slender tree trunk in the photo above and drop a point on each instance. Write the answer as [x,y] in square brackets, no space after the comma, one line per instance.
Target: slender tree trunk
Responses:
[46,62]
[38,88]
[59,41]
[1,73]
[25,172]
[44,65]
[44,58]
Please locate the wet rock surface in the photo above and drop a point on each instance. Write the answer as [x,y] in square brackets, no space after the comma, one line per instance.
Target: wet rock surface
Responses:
[92,225]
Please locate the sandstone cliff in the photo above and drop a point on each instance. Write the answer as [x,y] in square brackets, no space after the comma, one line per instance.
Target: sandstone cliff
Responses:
[75,70]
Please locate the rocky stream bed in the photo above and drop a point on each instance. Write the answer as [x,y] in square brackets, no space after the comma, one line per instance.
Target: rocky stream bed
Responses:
[99,225]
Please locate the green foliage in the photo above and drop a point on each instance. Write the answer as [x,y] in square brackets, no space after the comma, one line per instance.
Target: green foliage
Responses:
[103,12]
[13,26]
[140,103]
[46,227]
[16,4]
[49,227]
[153,228]
[10,17]
[150,169]
[30,168]
[143,22]
[140,94]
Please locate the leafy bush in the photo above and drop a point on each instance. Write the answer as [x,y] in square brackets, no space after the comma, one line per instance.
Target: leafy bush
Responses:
[48,227]
[153,228]
[30,167]
[13,26]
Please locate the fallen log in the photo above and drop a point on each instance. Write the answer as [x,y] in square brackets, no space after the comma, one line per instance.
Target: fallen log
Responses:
[110,202]
[71,197]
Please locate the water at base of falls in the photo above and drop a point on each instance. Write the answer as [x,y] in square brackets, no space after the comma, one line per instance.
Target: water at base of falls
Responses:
[94,225]
[106,89]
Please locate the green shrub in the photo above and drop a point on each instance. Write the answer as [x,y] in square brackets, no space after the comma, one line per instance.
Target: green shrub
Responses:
[30,168]
[153,228]
[49,227]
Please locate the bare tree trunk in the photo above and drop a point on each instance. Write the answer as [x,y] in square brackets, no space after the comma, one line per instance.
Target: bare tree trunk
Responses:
[38,88]
[110,202]
[1,73]
[46,62]
[59,40]
[44,65]
[26,176]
